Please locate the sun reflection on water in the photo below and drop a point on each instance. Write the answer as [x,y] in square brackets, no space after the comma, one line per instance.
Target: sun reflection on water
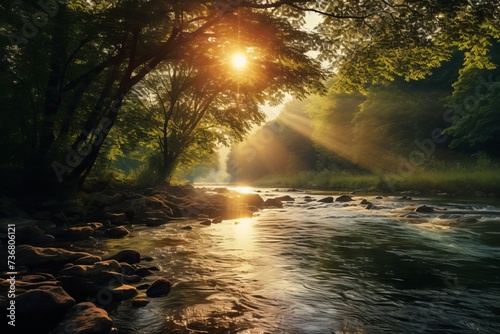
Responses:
[243,233]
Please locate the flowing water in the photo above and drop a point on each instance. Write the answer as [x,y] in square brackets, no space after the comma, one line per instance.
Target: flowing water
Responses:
[311,267]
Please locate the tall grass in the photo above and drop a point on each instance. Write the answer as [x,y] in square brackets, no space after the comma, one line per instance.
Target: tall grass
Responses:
[459,181]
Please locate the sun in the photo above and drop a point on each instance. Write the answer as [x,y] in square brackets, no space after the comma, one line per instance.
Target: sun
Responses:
[239,61]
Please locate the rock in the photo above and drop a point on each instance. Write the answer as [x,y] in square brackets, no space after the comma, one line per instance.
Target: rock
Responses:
[81,270]
[187,227]
[128,255]
[343,198]
[308,199]
[116,218]
[85,318]
[39,310]
[116,232]
[40,256]
[151,222]
[132,279]
[273,202]
[43,240]
[369,206]
[123,292]
[140,301]
[328,199]
[424,209]
[365,201]
[88,260]
[77,233]
[379,197]
[206,222]
[143,272]
[286,198]
[157,214]
[217,220]
[27,233]
[408,198]
[82,289]
[252,199]
[160,287]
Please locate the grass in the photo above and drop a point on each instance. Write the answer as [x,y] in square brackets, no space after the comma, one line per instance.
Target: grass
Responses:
[458,181]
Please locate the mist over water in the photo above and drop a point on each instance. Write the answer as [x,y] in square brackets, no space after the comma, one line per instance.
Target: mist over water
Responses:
[312,267]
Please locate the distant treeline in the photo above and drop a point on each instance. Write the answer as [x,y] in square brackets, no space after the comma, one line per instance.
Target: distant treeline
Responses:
[449,119]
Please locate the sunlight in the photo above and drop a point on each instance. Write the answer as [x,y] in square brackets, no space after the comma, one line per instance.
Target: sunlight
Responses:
[239,61]
[244,233]
[340,141]
[242,190]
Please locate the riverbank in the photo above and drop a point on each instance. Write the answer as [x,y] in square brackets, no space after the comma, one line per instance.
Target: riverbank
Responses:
[51,284]
[477,182]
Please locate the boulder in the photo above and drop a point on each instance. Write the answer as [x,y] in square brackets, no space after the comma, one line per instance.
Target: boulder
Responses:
[328,199]
[43,240]
[152,222]
[123,292]
[161,287]
[424,209]
[252,199]
[85,318]
[39,310]
[142,272]
[140,301]
[30,256]
[77,233]
[128,255]
[87,260]
[116,218]
[217,220]
[343,198]
[273,202]
[116,232]
[286,198]
[92,270]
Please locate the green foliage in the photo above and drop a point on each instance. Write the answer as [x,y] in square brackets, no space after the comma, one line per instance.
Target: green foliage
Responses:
[68,78]
[474,117]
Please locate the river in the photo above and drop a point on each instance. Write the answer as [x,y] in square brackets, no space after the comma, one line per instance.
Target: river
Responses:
[313,267]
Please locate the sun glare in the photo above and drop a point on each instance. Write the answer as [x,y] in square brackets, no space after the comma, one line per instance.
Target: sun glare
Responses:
[239,61]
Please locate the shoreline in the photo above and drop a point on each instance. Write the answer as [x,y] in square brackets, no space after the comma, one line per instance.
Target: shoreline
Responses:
[54,286]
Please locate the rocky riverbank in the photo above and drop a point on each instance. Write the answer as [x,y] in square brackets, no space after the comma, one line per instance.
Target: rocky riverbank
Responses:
[49,288]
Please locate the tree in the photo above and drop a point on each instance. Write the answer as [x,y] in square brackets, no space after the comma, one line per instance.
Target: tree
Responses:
[95,53]
[473,115]
[72,63]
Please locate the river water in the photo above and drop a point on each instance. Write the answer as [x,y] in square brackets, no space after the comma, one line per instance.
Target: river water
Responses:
[311,267]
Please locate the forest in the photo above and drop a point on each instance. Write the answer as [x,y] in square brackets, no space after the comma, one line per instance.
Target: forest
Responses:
[136,92]
[368,205]
[439,133]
